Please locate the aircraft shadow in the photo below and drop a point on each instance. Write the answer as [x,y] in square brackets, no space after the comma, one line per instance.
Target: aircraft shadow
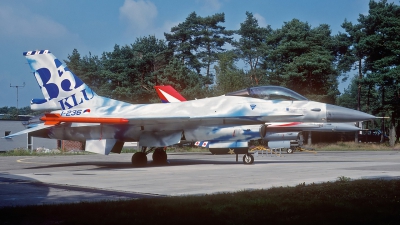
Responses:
[18,191]
[171,162]
[23,191]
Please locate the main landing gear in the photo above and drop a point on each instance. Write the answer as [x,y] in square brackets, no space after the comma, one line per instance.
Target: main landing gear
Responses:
[159,156]
[140,158]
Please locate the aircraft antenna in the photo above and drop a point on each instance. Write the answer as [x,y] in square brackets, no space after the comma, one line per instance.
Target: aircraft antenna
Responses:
[17,86]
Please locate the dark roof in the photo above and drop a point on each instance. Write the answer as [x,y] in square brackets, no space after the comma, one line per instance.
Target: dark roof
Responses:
[20,117]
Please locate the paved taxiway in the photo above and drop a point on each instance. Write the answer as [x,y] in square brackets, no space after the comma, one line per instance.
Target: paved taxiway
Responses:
[28,180]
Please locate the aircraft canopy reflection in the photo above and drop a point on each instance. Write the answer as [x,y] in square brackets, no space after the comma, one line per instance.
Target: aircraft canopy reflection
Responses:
[269,93]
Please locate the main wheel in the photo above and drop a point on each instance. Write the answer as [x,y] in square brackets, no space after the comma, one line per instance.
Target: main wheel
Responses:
[159,156]
[139,159]
[248,158]
[289,151]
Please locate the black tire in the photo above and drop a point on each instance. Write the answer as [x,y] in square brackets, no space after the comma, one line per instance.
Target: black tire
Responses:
[159,156]
[248,159]
[139,159]
[289,151]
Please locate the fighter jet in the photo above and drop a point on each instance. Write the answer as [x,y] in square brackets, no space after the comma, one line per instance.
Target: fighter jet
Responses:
[225,139]
[104,124]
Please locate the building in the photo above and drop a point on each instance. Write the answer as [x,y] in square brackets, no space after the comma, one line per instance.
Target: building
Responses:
[10,126]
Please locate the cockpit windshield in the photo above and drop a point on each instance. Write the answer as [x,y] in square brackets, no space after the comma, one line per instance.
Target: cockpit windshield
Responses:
[269,93]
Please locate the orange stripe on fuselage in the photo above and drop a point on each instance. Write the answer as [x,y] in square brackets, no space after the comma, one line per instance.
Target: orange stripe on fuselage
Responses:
[55,118]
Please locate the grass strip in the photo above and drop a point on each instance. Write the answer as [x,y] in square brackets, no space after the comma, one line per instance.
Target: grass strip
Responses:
[338,146]
[340,202]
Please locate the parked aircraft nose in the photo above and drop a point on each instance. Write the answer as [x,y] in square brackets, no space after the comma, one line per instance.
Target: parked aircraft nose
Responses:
[341,114]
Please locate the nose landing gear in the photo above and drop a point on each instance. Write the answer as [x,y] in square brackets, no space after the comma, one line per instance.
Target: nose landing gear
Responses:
[248,159]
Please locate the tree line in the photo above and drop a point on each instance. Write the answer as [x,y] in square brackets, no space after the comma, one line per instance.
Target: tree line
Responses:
[372,47]
[200,58]
[11,113]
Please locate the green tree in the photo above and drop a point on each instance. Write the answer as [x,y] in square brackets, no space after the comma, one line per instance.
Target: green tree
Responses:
[129,73]
[89,69]
[251,46]
[9,112]
[132,71]
[210,39]
[228,77]
[347,98]
[4,110]
[382,47]
[12,112]
[303,59]
[350,54]
[184,80]
[181,40]
[198,40]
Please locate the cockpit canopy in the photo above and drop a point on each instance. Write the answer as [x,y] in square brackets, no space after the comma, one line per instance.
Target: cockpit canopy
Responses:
[269,93]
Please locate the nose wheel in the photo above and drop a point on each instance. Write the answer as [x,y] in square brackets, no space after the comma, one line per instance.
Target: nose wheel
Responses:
[248,159]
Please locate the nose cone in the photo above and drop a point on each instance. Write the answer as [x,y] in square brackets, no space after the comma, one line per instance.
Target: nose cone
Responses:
[341,114]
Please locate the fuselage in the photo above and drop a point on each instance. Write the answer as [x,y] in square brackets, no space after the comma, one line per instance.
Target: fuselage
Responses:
[220,118]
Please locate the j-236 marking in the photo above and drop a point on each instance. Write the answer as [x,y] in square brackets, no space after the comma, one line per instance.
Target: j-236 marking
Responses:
[72,112]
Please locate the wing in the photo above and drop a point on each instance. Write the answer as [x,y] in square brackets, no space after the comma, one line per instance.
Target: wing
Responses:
[142,121]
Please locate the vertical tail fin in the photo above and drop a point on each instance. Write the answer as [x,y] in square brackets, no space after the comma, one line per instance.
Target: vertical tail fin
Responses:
[60,87]
[169,94]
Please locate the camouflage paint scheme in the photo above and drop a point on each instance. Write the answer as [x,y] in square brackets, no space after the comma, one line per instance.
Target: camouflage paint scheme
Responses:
[157,125]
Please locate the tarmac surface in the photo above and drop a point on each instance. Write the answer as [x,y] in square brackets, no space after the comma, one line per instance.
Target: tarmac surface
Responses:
[39,180]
